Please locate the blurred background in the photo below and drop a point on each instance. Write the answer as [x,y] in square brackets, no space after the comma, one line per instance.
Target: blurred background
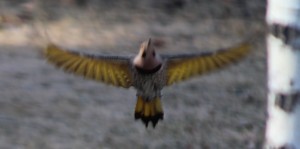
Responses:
[44,108]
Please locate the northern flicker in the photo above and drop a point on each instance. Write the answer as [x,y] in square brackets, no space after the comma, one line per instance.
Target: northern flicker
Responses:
[148,72]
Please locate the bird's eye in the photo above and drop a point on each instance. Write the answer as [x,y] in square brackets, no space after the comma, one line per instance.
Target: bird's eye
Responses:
[153,53]
[144,54]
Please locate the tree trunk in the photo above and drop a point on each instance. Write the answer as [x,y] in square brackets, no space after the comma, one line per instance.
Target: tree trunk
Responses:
[283,47]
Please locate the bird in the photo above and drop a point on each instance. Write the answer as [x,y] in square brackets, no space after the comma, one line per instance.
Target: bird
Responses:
[148,72]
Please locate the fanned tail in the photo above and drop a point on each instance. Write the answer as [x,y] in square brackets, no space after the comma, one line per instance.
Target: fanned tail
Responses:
[149,111]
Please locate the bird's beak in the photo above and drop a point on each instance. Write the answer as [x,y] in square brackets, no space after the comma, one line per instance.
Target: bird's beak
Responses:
[149,42]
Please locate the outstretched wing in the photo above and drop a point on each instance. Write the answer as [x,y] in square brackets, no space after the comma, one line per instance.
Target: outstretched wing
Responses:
[112,70]
[182,67]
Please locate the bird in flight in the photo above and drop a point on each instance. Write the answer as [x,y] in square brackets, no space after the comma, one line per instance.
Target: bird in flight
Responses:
[148,72]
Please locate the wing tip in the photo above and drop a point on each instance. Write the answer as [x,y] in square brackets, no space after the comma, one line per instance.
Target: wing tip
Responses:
[250,39]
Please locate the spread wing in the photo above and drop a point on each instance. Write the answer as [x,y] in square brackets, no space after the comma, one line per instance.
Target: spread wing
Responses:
[182,67]
[112,70]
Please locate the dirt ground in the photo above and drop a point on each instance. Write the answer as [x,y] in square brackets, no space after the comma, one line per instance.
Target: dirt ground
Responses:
[42,107]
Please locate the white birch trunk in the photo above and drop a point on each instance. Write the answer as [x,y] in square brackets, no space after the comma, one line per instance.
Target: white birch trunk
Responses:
[283,45]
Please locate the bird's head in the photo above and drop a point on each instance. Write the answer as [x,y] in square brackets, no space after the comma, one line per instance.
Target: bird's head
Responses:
[147,58]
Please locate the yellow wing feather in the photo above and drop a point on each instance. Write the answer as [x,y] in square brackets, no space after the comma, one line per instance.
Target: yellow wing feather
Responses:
[109,70]
[182,67]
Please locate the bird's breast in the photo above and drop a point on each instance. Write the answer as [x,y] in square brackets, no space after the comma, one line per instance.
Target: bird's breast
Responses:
[149,85]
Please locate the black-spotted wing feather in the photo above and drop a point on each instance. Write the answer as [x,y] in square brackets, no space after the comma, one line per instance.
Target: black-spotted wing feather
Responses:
[182,67]
[112,70]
